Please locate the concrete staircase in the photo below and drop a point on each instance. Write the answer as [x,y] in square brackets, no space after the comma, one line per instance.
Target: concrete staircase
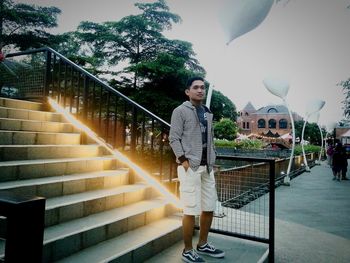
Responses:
[96,210]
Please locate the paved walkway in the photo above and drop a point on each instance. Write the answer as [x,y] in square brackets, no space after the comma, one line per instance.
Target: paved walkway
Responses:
[312,225]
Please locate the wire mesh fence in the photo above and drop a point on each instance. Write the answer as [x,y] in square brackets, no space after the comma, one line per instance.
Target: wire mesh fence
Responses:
[22,77]
[245,204]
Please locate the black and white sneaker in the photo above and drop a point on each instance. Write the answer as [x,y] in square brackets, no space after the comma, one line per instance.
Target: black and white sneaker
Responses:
[191,256]
[210,250]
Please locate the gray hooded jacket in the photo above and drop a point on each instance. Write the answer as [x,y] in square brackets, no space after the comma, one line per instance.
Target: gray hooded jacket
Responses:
[186,138]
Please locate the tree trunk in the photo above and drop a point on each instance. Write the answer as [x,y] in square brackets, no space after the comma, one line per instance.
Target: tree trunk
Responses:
[1,22]
[137,61]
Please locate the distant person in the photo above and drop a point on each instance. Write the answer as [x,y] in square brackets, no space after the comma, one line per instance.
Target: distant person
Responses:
[344,169]
[339,162]
[329,152]
[191,138]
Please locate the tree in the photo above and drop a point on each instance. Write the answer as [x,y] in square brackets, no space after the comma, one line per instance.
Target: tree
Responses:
[164,83]
[346,88]
[24,26]
[311,133]
[155,69]
[133,39]
[225,129]
[222,107]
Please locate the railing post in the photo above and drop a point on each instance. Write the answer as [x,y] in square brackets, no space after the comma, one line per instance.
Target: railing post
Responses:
[133,131]
[47,73]
[25,227]
[85,98]
[83,139]
[161,157]
[272,213]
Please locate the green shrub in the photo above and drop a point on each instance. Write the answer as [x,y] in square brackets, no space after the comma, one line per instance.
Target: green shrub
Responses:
[308,149]
[243,144]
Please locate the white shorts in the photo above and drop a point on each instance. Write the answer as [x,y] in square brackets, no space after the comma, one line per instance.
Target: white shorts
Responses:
[197,190]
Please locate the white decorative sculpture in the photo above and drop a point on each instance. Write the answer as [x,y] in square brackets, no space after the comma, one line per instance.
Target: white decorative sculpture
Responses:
[280,88]
[312,107]
[241,16]
[209,94]
[314,119]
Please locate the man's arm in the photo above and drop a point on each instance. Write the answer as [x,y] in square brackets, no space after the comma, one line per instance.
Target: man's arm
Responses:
[175,135]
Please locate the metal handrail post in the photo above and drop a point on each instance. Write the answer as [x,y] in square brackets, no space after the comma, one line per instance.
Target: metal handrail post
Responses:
[272,213]
[47,75]
[25,227]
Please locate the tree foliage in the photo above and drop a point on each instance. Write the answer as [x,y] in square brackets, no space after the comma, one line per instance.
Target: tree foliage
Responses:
[225,129]
[346,103]
[135,39]
[164,81]
[24,26]
[222,107]
[311,133]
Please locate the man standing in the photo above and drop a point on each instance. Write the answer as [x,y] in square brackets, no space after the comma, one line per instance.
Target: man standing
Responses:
[191,138]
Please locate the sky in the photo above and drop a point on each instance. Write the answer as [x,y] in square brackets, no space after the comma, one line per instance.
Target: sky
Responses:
[304,42]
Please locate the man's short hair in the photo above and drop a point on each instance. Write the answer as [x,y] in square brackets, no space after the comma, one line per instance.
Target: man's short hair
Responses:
[192,79]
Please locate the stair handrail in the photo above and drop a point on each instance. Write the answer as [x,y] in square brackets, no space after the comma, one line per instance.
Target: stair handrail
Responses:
[82,70]
[133,121]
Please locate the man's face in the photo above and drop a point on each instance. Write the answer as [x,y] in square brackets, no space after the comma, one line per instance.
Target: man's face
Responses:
[197,91]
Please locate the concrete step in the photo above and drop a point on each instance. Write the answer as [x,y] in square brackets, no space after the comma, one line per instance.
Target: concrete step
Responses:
[49,187]
[67,238]
[21,104]
[34,125]
[30,138]
[69,207]
[134,246]
[30,169]
[49,151]
[24,114]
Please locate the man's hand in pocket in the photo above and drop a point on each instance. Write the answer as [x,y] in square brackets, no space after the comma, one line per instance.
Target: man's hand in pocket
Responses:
[186,165]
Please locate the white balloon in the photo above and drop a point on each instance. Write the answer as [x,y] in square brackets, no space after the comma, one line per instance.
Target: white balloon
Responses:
[277,87]
[241,16]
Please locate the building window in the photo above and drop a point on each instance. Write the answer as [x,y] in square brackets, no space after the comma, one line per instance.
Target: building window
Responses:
[283,124]
[261,123]
[247,125]
[272,124]
[243,125]
[272,110]
[246,114]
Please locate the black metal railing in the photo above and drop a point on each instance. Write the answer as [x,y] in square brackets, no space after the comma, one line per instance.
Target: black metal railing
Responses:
[121,122]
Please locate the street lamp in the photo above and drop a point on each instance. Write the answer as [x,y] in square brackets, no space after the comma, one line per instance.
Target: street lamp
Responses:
[280,89]
[313,107]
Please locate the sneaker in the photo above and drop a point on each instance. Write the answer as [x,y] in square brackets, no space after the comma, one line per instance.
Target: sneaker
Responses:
[334,178]
[191,256]
[210,250]
[345,178]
